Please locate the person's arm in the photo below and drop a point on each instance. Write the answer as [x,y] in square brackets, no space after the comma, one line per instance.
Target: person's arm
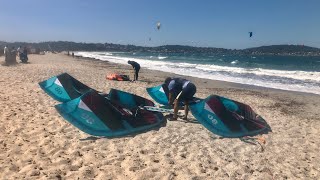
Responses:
[171,86]
[134,65]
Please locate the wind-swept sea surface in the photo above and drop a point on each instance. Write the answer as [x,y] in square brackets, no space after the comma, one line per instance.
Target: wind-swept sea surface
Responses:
[295,73]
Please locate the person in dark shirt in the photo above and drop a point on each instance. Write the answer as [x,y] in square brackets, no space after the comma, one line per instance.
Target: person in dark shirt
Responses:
[25,53]
[136,68]
[180,90]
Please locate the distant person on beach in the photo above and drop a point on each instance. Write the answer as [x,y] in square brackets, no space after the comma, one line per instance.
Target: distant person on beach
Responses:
[5,51]
[180,90]
[73,54]
[136,68]
[25,54]
[20,52]
[13,51]
[10,55]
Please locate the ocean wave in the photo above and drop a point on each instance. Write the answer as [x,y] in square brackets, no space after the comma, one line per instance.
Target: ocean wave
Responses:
[234,62]
[96,55]
[162,57]
[300,75]
[287,80]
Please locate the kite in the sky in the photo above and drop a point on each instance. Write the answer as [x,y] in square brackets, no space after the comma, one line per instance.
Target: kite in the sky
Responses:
[250,34]
[158,25]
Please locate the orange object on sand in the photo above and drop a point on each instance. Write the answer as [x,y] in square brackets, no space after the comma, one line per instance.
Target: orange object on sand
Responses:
[118,77]
[262,140]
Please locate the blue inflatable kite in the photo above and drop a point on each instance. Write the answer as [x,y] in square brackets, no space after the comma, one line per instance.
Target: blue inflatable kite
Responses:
[115,114]
[64,87]
[221,116]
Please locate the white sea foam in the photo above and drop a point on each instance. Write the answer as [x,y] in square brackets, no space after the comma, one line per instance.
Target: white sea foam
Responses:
[162,57]
[234,62]
[299,75]
[287,80]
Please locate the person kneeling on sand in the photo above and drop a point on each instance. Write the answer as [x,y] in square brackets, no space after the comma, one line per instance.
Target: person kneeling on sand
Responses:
[136,68]
[180,90]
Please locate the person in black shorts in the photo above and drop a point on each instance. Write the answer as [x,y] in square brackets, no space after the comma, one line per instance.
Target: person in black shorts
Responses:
[136,67]
[180,90]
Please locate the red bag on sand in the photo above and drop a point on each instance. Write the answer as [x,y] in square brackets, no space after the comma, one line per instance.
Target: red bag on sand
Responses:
[118,77]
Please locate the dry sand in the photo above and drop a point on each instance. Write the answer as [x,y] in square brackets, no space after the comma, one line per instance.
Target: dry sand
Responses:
[37,143]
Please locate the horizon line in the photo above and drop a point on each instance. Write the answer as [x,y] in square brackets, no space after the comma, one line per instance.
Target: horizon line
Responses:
[162,45]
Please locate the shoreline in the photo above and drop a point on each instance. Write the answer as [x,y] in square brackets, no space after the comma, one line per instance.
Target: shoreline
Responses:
[37,143]
[220,82]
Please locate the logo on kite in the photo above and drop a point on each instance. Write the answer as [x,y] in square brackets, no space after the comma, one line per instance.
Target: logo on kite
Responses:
[158,25]
[213,120]
[59,91]
[250,34]
[88,119]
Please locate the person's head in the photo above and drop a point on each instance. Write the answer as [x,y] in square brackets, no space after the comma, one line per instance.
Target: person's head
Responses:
[167,81]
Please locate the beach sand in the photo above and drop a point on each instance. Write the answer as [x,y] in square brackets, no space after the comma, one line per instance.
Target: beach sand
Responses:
[37,143]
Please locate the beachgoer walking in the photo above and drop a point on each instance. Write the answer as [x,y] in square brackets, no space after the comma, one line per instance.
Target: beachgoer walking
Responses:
[136,68]
[180,90]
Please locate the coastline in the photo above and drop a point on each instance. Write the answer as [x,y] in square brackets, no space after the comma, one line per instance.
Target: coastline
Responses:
[294,78]
[224,84]
[38,143]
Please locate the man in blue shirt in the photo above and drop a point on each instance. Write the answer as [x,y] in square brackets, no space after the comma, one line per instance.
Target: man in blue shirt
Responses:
[136,67]
[180,90]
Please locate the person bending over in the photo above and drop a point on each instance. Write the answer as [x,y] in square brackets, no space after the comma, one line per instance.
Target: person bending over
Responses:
[180,90]
[136,68]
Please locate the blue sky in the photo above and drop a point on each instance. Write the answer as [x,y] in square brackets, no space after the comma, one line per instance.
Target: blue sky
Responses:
[211,23]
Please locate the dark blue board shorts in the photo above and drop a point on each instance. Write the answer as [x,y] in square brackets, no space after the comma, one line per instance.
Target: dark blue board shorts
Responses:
[188,92]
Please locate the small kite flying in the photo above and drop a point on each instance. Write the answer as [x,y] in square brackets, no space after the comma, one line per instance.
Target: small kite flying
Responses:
[158,25]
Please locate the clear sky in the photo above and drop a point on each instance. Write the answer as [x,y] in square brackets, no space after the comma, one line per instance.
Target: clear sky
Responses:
[213,23]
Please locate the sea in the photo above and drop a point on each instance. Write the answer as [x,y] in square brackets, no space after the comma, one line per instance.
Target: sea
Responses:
[293,73]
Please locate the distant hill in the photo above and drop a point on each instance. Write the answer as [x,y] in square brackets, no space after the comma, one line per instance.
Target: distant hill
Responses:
[283,49]
[59,46]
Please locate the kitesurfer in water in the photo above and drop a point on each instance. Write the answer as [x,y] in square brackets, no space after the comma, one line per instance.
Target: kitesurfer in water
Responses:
[136,68]
[180,90]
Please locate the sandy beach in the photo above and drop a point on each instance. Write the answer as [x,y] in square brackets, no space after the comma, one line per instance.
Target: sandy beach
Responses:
[37,143]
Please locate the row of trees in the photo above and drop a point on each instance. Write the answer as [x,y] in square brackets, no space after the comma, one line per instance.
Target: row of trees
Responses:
[59,46]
